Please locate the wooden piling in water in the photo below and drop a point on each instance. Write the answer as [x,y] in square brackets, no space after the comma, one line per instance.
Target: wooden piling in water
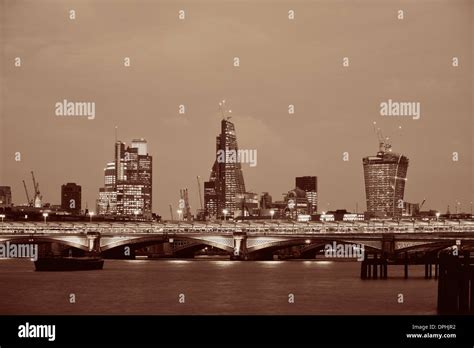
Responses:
[456,277]
[374,265]
[406,265]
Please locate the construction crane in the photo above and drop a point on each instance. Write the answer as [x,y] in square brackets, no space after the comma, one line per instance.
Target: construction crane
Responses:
[199,190]
[37,198]
[421,205]
[30,203]
[384,144]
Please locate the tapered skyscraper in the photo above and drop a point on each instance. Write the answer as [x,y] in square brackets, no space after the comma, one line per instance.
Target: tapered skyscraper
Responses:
[385,176]
[226,181]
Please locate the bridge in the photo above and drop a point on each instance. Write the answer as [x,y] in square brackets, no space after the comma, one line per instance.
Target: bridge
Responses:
[246,240]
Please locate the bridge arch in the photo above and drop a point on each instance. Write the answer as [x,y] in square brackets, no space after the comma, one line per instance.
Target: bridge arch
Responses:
[309,244]
[75,242]
[222,243]
[434,247]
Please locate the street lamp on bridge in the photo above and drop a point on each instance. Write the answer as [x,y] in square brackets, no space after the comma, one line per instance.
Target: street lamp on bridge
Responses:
[2,216]
[45,215]
[272,212]
[91,214]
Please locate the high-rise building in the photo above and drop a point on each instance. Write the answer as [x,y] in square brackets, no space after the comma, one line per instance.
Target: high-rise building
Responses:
[309,184]
[5,197]
[71,197]
[210,198]
[226,175]
[127,187]
[107,202]
[385,175]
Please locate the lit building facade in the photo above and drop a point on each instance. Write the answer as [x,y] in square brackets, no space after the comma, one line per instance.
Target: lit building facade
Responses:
[210,198]
[128,182]
[107,202]
[226,176]
[385,176]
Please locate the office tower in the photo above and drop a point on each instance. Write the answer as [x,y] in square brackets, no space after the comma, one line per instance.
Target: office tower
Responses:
[71,197]
[119,161]
[309,184]
[5,197]
[210,199]
[107,202]
[128,181]
[226,174]
[385,176]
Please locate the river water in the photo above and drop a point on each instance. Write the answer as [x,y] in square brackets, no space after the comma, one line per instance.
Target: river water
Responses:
[213,287]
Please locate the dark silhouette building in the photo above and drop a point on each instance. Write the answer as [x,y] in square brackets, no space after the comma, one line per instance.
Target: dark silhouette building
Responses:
[5,197]
[309,184]
[266,201]
[71,196]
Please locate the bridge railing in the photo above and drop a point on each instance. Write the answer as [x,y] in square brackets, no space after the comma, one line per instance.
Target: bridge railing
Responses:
[251,228]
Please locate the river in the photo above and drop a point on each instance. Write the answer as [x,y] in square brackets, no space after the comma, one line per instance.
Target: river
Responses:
[213,287]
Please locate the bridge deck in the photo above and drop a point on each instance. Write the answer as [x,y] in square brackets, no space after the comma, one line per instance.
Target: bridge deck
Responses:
[249,228]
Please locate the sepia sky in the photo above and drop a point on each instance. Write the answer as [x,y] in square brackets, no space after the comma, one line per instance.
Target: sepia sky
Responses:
[282,62]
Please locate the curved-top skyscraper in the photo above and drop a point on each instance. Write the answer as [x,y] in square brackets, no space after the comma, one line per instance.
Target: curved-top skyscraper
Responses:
[385,175]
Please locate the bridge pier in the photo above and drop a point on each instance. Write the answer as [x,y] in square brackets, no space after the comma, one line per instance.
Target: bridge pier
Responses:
[384,268]
[374,266]
[93,241]
[240,246]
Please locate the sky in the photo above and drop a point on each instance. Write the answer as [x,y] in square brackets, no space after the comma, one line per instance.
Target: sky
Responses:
[190,62]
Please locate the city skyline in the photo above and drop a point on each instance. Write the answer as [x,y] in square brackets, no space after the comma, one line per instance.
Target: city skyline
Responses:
[138,150]
[334,106]
[177,163]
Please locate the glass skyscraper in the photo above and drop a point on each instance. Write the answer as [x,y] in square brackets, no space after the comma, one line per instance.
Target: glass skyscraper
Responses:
[127,187]
[385,175]
[226,182]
